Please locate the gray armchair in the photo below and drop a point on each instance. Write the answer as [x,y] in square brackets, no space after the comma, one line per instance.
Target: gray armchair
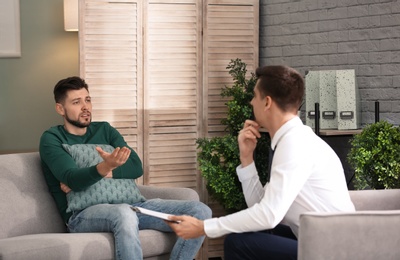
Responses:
[372,232]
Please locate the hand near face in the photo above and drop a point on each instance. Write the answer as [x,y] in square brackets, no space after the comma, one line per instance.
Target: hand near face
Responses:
[247,140]
[112,160]
[188,227]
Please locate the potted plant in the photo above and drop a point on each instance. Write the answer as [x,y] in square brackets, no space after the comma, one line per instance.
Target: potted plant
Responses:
[375,157]
[218,157]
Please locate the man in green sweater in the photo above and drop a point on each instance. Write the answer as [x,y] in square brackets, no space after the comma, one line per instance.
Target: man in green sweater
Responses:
[63,175]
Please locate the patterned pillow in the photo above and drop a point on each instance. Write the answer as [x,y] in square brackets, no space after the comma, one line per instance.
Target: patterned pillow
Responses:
[107,190]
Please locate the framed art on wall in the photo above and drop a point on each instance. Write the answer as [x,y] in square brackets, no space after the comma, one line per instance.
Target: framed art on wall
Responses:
[10,45]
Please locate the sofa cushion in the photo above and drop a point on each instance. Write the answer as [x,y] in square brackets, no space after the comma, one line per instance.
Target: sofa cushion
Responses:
[80,246]
[107,190]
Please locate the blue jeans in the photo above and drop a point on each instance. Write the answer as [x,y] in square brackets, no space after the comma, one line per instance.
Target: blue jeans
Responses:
[125,224]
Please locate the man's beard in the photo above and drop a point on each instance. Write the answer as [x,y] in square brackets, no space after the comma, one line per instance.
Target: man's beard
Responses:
[77,123]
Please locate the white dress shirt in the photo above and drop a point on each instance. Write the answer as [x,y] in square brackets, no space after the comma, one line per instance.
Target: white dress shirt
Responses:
[306,175]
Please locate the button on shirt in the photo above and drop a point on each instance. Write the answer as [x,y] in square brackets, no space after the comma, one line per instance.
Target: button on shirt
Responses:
[306,175]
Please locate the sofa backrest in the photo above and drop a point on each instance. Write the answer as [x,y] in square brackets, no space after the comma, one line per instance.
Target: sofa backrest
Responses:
[376,199]
[26,205]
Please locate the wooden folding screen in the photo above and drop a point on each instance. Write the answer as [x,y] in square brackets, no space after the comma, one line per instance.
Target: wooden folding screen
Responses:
[155,70]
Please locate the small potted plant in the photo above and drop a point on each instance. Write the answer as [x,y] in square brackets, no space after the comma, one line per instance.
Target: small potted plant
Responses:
[218,157]
[375,157]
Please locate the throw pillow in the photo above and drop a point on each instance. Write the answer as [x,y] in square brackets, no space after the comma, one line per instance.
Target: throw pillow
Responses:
[107,190]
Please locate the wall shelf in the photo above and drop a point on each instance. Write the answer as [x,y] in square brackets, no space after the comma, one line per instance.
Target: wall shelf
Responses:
[332,132]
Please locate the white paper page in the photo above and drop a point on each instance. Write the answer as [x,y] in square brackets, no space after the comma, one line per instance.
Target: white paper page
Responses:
[151,213]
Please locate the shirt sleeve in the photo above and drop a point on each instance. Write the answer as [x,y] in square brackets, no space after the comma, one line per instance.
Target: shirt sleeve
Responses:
[287,178]
[252,188]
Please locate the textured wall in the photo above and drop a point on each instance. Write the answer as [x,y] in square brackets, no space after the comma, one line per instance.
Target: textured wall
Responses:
[339,34]
[26,83]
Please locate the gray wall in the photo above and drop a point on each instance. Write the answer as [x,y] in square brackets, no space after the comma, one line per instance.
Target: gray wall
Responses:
[339,34]
[26,83]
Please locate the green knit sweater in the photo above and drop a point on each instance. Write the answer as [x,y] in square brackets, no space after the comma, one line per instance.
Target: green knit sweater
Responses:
[58,165]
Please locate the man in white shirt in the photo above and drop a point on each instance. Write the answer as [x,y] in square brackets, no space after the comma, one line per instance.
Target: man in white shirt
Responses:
[306,175]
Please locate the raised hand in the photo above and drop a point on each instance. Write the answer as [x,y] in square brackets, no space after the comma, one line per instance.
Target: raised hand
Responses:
[112,160]
[247,140]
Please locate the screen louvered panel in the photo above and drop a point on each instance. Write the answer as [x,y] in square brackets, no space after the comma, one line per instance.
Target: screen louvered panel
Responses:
[111,56]
[171,98]
[231,32]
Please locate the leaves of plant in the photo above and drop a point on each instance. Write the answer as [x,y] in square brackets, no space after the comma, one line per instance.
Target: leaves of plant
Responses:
[218,157]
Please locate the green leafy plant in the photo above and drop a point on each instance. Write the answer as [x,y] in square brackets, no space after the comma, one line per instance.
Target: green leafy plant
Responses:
[375,157]
[218,157]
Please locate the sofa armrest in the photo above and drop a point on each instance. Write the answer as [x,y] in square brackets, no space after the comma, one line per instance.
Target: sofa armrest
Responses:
[170,193]
[356,235]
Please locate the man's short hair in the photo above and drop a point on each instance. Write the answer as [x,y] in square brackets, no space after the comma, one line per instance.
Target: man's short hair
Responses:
[64,85]
[283,84]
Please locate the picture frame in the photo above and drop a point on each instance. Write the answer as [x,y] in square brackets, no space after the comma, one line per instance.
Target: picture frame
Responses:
[10,31]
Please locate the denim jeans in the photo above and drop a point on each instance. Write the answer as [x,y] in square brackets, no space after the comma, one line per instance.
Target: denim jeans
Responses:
[125,224]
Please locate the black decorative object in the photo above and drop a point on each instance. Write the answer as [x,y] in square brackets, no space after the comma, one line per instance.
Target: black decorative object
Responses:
[376,111]
[317,118]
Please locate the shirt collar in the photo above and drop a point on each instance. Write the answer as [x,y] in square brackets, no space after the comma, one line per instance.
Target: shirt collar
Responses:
[295,121]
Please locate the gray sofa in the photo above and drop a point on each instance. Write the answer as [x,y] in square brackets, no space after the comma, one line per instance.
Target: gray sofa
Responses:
[370,233]
[31,227]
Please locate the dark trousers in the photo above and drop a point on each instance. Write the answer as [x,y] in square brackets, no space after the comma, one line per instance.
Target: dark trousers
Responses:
[276,244]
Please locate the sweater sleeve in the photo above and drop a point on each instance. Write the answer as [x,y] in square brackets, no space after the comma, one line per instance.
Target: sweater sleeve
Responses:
[62,165]
[132,169]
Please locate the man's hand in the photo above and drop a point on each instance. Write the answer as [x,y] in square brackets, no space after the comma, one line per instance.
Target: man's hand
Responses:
[112,160]
[109,175]
[247,140]
[187,227]
[64,188]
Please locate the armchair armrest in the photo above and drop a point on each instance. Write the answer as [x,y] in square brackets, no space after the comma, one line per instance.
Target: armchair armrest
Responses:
[385,199]
[171,193]
[355,235]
